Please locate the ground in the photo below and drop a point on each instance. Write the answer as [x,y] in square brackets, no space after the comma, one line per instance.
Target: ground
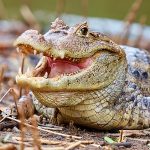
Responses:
[133,140]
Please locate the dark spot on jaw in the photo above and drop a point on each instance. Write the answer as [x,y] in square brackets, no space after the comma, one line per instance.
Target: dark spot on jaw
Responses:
[145,75]
[136,73]
[135,103]
[148,59]
[132,98]
[134,86]
[145,101]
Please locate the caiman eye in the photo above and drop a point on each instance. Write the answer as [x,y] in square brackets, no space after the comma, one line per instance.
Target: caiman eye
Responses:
[84,31]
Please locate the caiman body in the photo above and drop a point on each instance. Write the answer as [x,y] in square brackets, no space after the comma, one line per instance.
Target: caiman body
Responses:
[90,79]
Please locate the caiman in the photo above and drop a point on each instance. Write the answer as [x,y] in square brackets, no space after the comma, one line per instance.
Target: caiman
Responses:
[90,79]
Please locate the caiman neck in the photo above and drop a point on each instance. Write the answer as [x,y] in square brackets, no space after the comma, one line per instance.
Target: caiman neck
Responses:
[112,92]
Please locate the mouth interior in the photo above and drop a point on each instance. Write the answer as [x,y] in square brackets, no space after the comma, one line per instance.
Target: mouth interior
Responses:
[66,66]
[55,67]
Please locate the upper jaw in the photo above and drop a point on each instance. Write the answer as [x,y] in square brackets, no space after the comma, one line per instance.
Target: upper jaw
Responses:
[31,42]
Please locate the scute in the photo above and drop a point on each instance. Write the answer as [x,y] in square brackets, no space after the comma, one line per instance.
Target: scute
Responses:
[139,68]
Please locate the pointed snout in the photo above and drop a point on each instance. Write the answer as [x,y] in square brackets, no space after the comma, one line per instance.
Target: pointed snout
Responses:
[34,40]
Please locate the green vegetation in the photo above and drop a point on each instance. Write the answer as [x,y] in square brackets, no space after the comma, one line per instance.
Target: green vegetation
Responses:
[117,9]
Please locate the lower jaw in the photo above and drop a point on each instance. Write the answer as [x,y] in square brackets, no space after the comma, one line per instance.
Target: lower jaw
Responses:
[36,81]
[58,99]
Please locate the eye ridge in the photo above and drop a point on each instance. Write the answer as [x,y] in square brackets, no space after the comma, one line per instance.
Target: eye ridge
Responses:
[84,30]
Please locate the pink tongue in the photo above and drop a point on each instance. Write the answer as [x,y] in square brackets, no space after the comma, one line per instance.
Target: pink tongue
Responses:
[59,68]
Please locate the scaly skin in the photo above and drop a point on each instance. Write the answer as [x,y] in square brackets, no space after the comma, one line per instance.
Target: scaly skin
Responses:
[110,93]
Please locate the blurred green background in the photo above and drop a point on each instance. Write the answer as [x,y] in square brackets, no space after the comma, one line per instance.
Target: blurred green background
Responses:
[116,9]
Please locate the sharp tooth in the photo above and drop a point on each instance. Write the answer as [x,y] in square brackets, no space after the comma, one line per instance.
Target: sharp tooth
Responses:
[39,63]
[28,70]
[54,58]
[18,49]
[35,52]
[46,75]
[19,71]
[61,54]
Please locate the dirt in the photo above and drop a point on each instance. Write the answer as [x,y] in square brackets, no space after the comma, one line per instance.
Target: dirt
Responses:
[130,142]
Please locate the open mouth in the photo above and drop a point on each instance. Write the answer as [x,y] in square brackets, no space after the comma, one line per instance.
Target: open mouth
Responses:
[49,67]
[52,67]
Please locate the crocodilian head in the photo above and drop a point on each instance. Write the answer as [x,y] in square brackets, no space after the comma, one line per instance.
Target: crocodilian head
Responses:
[74,59]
